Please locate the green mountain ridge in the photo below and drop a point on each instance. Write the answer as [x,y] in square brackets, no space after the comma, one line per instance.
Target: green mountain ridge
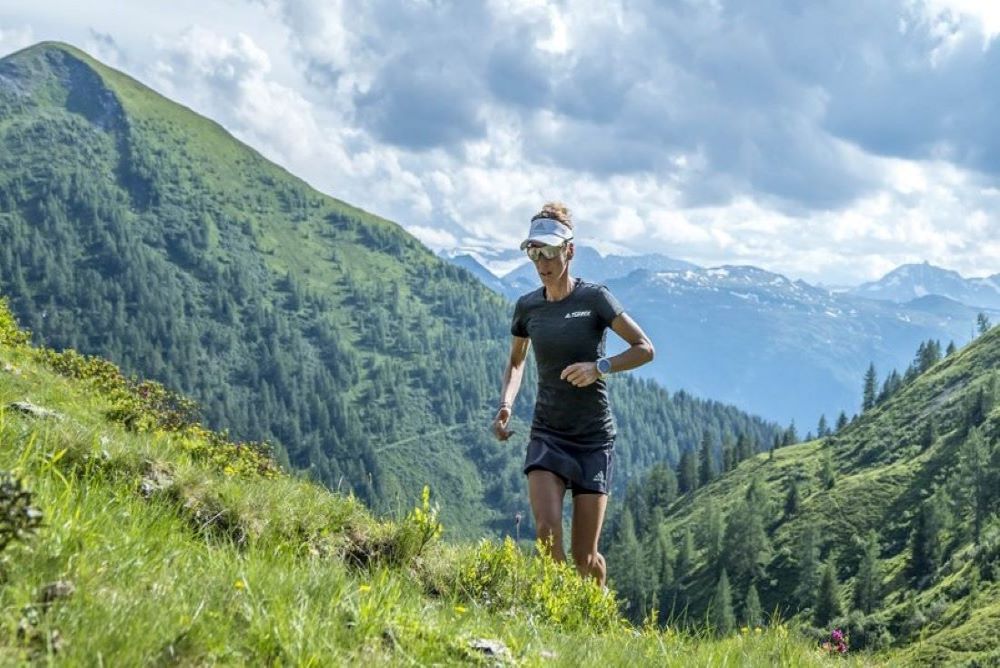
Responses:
[909,492]
[134,229]
[133,537]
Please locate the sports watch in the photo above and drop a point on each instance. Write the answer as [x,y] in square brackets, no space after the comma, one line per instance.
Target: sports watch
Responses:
[603,366]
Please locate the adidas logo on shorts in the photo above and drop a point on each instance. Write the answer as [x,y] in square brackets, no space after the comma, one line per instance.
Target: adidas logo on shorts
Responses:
[599,477]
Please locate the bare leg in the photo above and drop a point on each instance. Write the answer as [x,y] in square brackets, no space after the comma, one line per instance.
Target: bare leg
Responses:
[546,491]
[588,517]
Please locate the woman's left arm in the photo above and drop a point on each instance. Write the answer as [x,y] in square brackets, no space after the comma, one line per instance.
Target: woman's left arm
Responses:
[640,350]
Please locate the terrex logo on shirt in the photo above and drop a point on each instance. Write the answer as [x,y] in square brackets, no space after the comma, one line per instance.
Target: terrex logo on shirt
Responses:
[577,314]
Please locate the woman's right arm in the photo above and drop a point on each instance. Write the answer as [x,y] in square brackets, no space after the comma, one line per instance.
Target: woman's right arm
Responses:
[511,384]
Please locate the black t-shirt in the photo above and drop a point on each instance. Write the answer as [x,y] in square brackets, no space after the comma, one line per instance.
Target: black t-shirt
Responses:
[565,332]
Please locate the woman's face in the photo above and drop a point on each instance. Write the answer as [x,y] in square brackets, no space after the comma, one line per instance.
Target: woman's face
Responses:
[552,270]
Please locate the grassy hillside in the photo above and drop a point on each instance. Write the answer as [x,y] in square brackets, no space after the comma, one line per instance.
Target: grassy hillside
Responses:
[134,229]
[917,478]
[162,543]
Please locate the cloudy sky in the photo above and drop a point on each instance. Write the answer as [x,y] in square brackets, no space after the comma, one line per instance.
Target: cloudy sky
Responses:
[828,140]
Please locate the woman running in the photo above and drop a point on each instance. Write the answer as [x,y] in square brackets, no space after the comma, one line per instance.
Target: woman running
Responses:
[571,445]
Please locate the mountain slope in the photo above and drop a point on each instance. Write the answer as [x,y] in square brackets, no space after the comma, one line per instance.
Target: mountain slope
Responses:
[135,229]
[920,473]
[160,543]
[779,348]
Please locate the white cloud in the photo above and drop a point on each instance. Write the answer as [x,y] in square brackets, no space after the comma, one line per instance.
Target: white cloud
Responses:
[15,39]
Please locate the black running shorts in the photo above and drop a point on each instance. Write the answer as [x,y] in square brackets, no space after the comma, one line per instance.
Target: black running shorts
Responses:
[584,470]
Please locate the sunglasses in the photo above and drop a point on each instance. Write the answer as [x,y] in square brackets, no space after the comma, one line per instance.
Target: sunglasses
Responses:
[548,252]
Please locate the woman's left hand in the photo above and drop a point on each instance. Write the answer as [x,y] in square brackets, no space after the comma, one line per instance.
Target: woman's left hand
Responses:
[580,374]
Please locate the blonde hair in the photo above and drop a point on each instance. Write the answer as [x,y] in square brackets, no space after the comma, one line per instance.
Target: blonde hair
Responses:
[555,211]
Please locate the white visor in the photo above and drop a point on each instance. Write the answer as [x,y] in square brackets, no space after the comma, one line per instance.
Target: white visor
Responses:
[547,231]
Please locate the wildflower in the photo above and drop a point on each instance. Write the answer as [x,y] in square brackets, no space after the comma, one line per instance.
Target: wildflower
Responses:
[460,609]
[364,588]
[756,630]
[745,630]
[240,584]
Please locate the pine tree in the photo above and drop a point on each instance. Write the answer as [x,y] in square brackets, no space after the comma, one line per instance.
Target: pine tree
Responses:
[827,474]
[791,435]
[808,566]
[722,617]
[687,475]
[631,574]
[871,383]
[747,547]
[976,478]
[714,533]
[822,430]
[868,583]
[753,614]
[841,421]
[685,555]
[925,541]
[951,349]
[706,461]
[828,597]
[982,323]
[792,498]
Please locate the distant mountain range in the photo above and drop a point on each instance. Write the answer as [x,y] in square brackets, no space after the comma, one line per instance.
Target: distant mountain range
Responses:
[911,281]
[779,348]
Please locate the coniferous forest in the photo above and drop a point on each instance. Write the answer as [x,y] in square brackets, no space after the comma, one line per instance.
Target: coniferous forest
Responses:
[136,230]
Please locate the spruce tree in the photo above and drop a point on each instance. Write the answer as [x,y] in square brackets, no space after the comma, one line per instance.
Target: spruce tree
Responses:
[722,617]
[687,475]
[631,574]
[871,383]
[827,474]
[976,478]
[867,584]
[685,555]
[828,597]
[792,498]
[706,461]
[713,533]
[747,547]
[753,614]
[927,433]
[808,566]
[951,349]
[925,541]
[841,421]
[982,323]
[822,430]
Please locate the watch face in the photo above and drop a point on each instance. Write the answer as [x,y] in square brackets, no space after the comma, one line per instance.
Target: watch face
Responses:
[603,365]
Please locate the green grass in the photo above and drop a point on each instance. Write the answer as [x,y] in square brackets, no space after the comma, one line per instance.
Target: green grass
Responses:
[213,567]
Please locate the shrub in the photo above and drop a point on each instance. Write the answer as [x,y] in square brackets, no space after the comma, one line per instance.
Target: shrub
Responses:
[501,577]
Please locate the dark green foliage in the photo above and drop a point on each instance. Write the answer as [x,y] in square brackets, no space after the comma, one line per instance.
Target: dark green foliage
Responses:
[867,585]
[791,435]
[822,429]
[841,422]
[712,531]
[807,566]
[827,474]
[747,547]
[753,614]
[870,388]
[630,572]
[722,618]
[977,481]
[828,597]
[792,498]
[687,474]
[707,469]
[18,518]
[926,545]
[928,433]
[951,348]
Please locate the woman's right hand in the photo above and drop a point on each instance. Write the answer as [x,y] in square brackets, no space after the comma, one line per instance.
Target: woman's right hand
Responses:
[500,424]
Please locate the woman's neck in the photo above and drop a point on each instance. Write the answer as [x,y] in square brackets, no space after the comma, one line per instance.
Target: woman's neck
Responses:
[560,289]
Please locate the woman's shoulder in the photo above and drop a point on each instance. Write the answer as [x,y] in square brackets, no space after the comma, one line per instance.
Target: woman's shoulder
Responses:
[529,298]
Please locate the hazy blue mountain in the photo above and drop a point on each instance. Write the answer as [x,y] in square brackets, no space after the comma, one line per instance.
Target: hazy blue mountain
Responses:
[911,281]
[485,276]
[779,348]
[593,266]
